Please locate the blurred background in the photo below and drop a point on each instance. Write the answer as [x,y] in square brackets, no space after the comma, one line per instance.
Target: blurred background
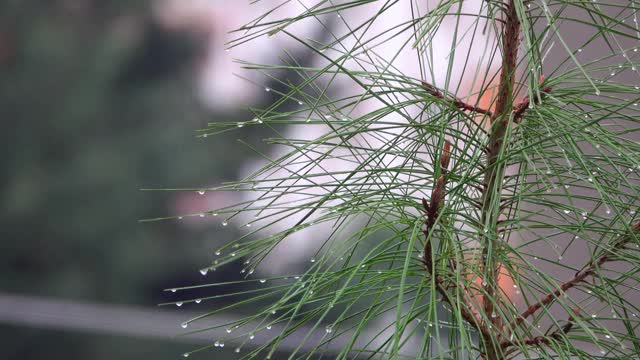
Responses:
[101,99]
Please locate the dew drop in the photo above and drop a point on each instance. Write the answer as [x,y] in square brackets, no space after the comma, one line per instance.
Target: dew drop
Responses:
[251,337]
[300,103]
[217,253]
[237,350]
[179,217]
[178,304]
[201,214]
[248,225]
[225,223]
[494,315]
[267,89]
[262,281]
[594,316]
[607,337]
[597,92]
[201,192]
[579,50]
[328,329]
[560,258]
[216,344]
[233,254]
[273,312]
[590,180]
[229,331]
[268,327]
[484,283]
[204,271]
[198,301]
[184,325]
[566,211]
[173,290]
[185,355]
[239,124]
[312,260]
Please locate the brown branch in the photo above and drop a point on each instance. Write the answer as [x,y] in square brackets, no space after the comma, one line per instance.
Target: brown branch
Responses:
[495,170]
[432,212]
[457,102]
[542,340]
[579,277]
[520,108]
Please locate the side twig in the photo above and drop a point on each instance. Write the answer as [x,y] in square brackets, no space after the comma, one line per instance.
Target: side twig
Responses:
[457,102]
[579,277]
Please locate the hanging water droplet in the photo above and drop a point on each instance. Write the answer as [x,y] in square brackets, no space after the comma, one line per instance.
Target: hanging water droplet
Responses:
[216,344]
[268,327]
[560,258]
[179,217]
[267,89]
[262,281]
[218,253]
[607,337]
[204,271]
[178,304]
[201,214]
[198,301]
[597,92]
[201,192]
[566,211]
[233,254]
[590,180]
[173,290]
[229,331]
[300,102]
[184,325]
[237,350]
[312,260]
[328,329]
[185,355]
[240,124]
[248,225]
[594,316]
[225,223]
[484,283]
[273,312]
[494,315]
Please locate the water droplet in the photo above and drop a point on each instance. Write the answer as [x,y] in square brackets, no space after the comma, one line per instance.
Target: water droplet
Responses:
[179,217]
[607,337]
[560,258]
[184,325]
[484,283]
[251,337]
[268,327]
[218,253]
[566,211]
[328,329]
[204,271]
[594,316]
[229,331]
[178,304]
[233,254]
[201,214]
[312,260]
[198,301]
[267,89]
[173,290]
[216,344]
[240,124]
[579,50]
[494,315]
[185,355]
[225,223]
[590,179]
[602,351]
[300,102]
[597,92]
[248,225]
[237,350]
[612,73]
[262,281]
[273,312]
[201,192]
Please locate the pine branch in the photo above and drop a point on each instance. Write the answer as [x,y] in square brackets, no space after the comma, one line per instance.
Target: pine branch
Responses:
[579,277]
[455,101]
